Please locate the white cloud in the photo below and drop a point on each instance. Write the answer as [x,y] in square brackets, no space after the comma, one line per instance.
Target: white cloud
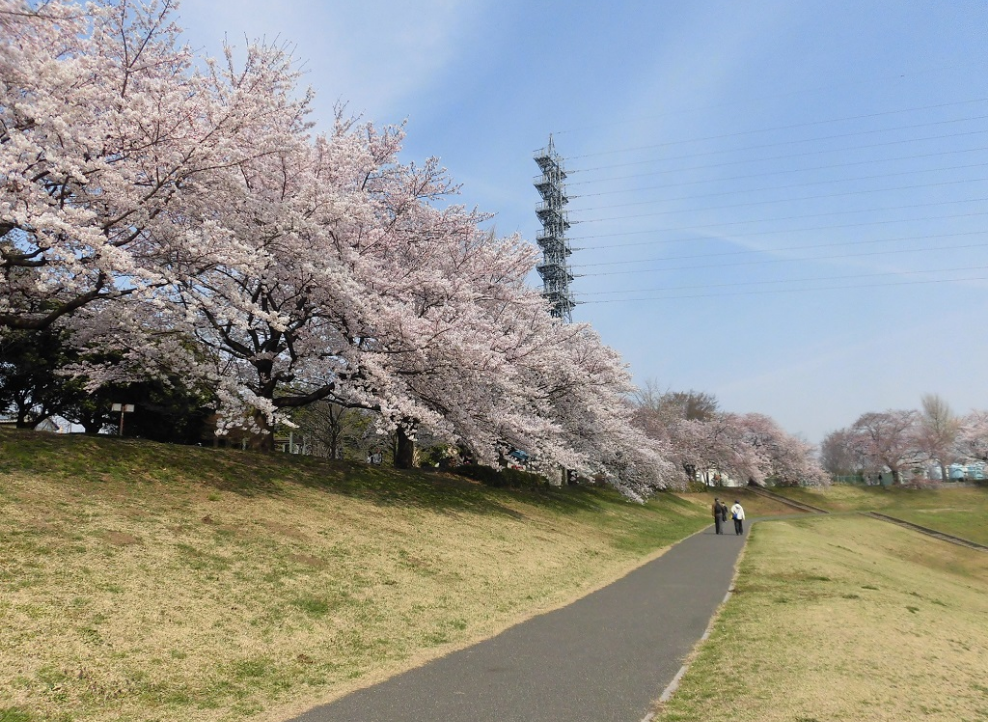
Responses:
[372,56]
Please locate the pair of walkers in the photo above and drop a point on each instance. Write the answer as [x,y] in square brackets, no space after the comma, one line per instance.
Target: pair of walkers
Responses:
[720,512]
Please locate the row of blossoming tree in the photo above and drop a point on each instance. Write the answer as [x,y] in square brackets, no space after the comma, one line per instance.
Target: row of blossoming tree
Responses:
[180,215]
[901,442]
[713,446]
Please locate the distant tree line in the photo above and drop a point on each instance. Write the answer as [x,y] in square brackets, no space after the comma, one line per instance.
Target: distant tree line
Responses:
[898,441]
[708,445]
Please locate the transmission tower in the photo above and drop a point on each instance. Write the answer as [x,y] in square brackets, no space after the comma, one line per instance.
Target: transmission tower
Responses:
[554,268]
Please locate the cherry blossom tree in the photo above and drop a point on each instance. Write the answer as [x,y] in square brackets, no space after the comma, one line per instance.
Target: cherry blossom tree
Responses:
[583,386]
[347,285]
[886,439]
[748,447]
[186,219]
[973,435]
[839,455]
[776,454]
[111,148]
[674,418]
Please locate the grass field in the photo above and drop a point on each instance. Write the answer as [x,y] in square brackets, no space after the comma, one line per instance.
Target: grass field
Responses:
[844,618]
[962,511]
[755,505]
[141,581]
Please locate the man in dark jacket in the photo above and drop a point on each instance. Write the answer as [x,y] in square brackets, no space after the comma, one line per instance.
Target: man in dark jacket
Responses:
[718,515]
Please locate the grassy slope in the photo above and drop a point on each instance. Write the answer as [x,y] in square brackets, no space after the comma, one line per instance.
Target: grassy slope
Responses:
[961,511]
[755,506]
[146,582]
[845,618]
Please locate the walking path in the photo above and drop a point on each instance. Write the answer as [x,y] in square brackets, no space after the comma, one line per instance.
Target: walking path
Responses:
[605,658]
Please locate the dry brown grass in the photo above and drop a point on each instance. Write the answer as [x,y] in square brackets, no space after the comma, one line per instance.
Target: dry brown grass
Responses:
[755,505]
[176,599]
[845,619]
[950,508]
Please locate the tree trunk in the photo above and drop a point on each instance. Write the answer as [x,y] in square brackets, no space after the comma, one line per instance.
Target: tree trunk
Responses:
[264,441]
[404,450]
[92,427]
[334,444]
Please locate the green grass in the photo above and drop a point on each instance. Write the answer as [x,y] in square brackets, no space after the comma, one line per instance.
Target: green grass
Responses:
[146,581]
[961,511]
[13,714]
[844,618]
[755,505]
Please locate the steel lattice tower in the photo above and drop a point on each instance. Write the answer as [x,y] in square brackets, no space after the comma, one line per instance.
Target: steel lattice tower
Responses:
[554,268]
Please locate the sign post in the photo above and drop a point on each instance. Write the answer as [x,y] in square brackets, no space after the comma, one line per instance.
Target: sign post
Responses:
[122,408]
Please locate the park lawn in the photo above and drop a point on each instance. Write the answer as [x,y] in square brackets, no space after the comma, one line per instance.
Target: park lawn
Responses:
[142,581]
[957,510]
[844,618]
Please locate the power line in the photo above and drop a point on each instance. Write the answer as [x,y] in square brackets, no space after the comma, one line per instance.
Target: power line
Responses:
[769,233]
[786,280]
[787,156]
[814,246]
[797,185]
[774,200]
[799,230]
[721,179]
[788,260]
[785,290]
[790,147]
[789,142]
[782,127]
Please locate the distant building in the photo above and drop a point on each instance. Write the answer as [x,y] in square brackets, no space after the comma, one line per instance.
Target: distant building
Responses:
[974,470]
[49,426]
[713,477]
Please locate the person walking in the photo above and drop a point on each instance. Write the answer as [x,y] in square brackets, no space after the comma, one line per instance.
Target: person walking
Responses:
[737,513]
[718,515]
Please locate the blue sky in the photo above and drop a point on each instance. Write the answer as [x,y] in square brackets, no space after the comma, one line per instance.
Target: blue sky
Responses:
[781,203]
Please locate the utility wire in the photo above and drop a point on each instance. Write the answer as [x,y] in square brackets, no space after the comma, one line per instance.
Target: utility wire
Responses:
[811,215]
[781,290]
[765,233]
[790,142]
[814,246]
[773,200]
[869,146]
[785,280]
[758,257]
[787,260]
[721,179]
[780,127]
[734,192]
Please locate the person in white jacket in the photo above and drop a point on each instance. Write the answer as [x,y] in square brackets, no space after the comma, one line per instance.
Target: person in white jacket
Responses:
[737,513]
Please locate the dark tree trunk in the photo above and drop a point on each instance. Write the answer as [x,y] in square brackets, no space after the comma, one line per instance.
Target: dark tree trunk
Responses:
[91,427]
[404,450]
[264,441]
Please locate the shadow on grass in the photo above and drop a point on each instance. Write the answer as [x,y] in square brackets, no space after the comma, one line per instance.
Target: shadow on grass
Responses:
[104,459]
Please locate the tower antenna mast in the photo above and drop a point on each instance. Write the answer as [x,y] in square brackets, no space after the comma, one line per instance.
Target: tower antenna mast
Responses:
[554,269]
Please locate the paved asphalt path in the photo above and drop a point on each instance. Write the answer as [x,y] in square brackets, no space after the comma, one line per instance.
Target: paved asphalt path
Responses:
[603,658]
